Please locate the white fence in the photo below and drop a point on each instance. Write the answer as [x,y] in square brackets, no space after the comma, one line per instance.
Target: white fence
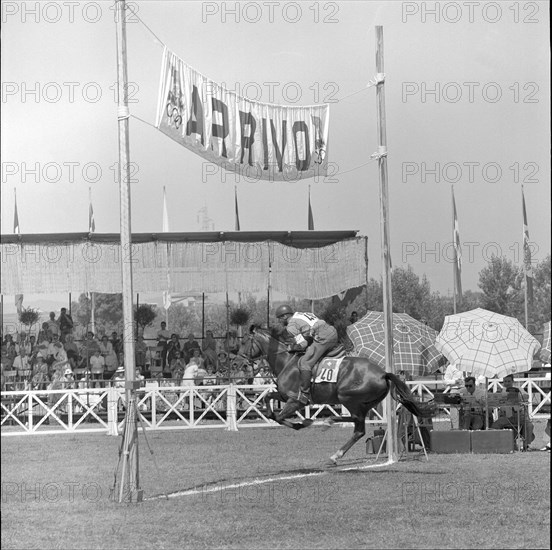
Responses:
[168,407]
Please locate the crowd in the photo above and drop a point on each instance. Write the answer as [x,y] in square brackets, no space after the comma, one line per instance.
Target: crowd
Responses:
[55,359]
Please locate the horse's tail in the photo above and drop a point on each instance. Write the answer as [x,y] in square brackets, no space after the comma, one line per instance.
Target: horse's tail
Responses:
[401,393]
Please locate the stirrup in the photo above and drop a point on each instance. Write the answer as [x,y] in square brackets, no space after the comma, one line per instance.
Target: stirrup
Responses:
[304,397]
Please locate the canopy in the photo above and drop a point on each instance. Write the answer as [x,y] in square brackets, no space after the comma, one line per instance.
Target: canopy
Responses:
[305,264]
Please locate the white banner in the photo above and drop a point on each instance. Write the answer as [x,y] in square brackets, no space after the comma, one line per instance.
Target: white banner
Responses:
[259,140]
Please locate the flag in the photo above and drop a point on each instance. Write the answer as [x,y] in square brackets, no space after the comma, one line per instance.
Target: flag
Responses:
[165,213]
[91,221]
[457,252]
[19,303]
[237,221]
[527,254]
[16,228]
[310,216]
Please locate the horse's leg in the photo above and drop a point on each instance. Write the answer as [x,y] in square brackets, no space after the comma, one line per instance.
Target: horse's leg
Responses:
[268,398]
[358,416]
[290,408]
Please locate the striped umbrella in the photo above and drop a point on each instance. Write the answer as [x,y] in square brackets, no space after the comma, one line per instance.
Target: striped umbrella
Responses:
[484,343]
[545,351]
[413,343]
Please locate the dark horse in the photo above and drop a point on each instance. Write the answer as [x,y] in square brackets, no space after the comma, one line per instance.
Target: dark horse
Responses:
[360,386]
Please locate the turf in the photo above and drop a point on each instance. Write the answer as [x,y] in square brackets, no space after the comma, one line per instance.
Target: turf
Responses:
[55,494]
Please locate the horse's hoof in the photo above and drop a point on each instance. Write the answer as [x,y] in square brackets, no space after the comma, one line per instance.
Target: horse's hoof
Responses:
[297,425]
[332,461]
[327,424]
[307,422]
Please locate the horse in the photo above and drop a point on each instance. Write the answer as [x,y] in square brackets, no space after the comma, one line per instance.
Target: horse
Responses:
[360,386]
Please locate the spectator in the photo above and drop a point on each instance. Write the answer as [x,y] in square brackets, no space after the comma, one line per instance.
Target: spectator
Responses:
[97,367]
[22,363]
[473,417]
[53,325]
[40,378]
[71,350]
[453,378]
[140,352]
[189,346]
[547,432]
[173,345]
[65,324]
[44,334]
[163,336]
[209,348]
[108,353]
[88,348]
[177,367]
[117,343]
[190,373]
[231,344]
[510,416]
[56,352]
[7,363]
[353,318]
[118,378]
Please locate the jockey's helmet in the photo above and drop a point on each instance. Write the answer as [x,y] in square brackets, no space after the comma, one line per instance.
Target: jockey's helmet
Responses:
[283,310]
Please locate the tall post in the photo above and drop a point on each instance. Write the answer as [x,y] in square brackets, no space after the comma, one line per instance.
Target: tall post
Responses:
[392,442]
[130,480]
[455,264]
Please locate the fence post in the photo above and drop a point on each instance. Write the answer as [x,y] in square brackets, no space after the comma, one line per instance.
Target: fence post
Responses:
[112,402]
[232,425]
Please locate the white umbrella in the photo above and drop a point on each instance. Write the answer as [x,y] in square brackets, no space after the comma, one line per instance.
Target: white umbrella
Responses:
[488,344]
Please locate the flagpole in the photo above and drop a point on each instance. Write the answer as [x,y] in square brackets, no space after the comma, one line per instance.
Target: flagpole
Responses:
[130,489]
[392,441]
[455,263]
[525,293]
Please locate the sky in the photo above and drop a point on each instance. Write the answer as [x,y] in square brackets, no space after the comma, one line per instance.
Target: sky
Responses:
[467,102]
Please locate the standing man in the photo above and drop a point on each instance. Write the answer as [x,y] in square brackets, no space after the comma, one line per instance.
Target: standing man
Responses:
[303,326]
[65,324]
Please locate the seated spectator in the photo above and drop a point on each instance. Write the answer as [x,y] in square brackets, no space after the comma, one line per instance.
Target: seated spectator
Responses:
[6,361]
[353,318]
[173,345]
[223,361]
[510,416]
[118,378]
[209,348]
[189,346]
[108,353]
[473,417]
[200,375]
[210,379]
[177,366]
[22,363]
[89,347]
[196,358]
[40,379]
[97,367]
[56,352]
[190,373]
[117,343]
[71,350]
[454,379]
[231,344]
[65,324]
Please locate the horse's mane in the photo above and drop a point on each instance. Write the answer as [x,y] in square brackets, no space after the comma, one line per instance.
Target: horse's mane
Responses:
[278,333]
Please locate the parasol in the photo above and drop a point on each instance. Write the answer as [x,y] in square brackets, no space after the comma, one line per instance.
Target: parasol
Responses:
[413,343]
[484,343]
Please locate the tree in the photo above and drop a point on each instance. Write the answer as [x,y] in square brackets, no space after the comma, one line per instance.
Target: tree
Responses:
[540,311]
[145,315]
[501,283]
[29,317]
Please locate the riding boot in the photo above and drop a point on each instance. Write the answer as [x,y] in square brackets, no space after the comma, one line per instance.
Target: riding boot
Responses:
[304,394]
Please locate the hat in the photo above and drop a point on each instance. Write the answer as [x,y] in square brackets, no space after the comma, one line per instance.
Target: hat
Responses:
[68,371]
[40,355]
[120,369]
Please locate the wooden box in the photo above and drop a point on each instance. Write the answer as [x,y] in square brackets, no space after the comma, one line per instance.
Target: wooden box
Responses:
[453,441]
[492,441]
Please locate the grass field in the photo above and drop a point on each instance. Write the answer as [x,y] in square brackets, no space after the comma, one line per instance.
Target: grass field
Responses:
[55,494]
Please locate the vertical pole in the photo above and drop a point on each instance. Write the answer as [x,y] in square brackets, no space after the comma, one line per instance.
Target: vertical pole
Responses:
[268,287]
[455,263]
[130,482]
[202,315]
[137,306]
[392,442]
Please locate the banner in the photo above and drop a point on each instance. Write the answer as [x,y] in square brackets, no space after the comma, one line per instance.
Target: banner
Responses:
[259,140]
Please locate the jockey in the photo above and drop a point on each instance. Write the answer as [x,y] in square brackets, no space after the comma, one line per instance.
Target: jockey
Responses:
[302,326]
